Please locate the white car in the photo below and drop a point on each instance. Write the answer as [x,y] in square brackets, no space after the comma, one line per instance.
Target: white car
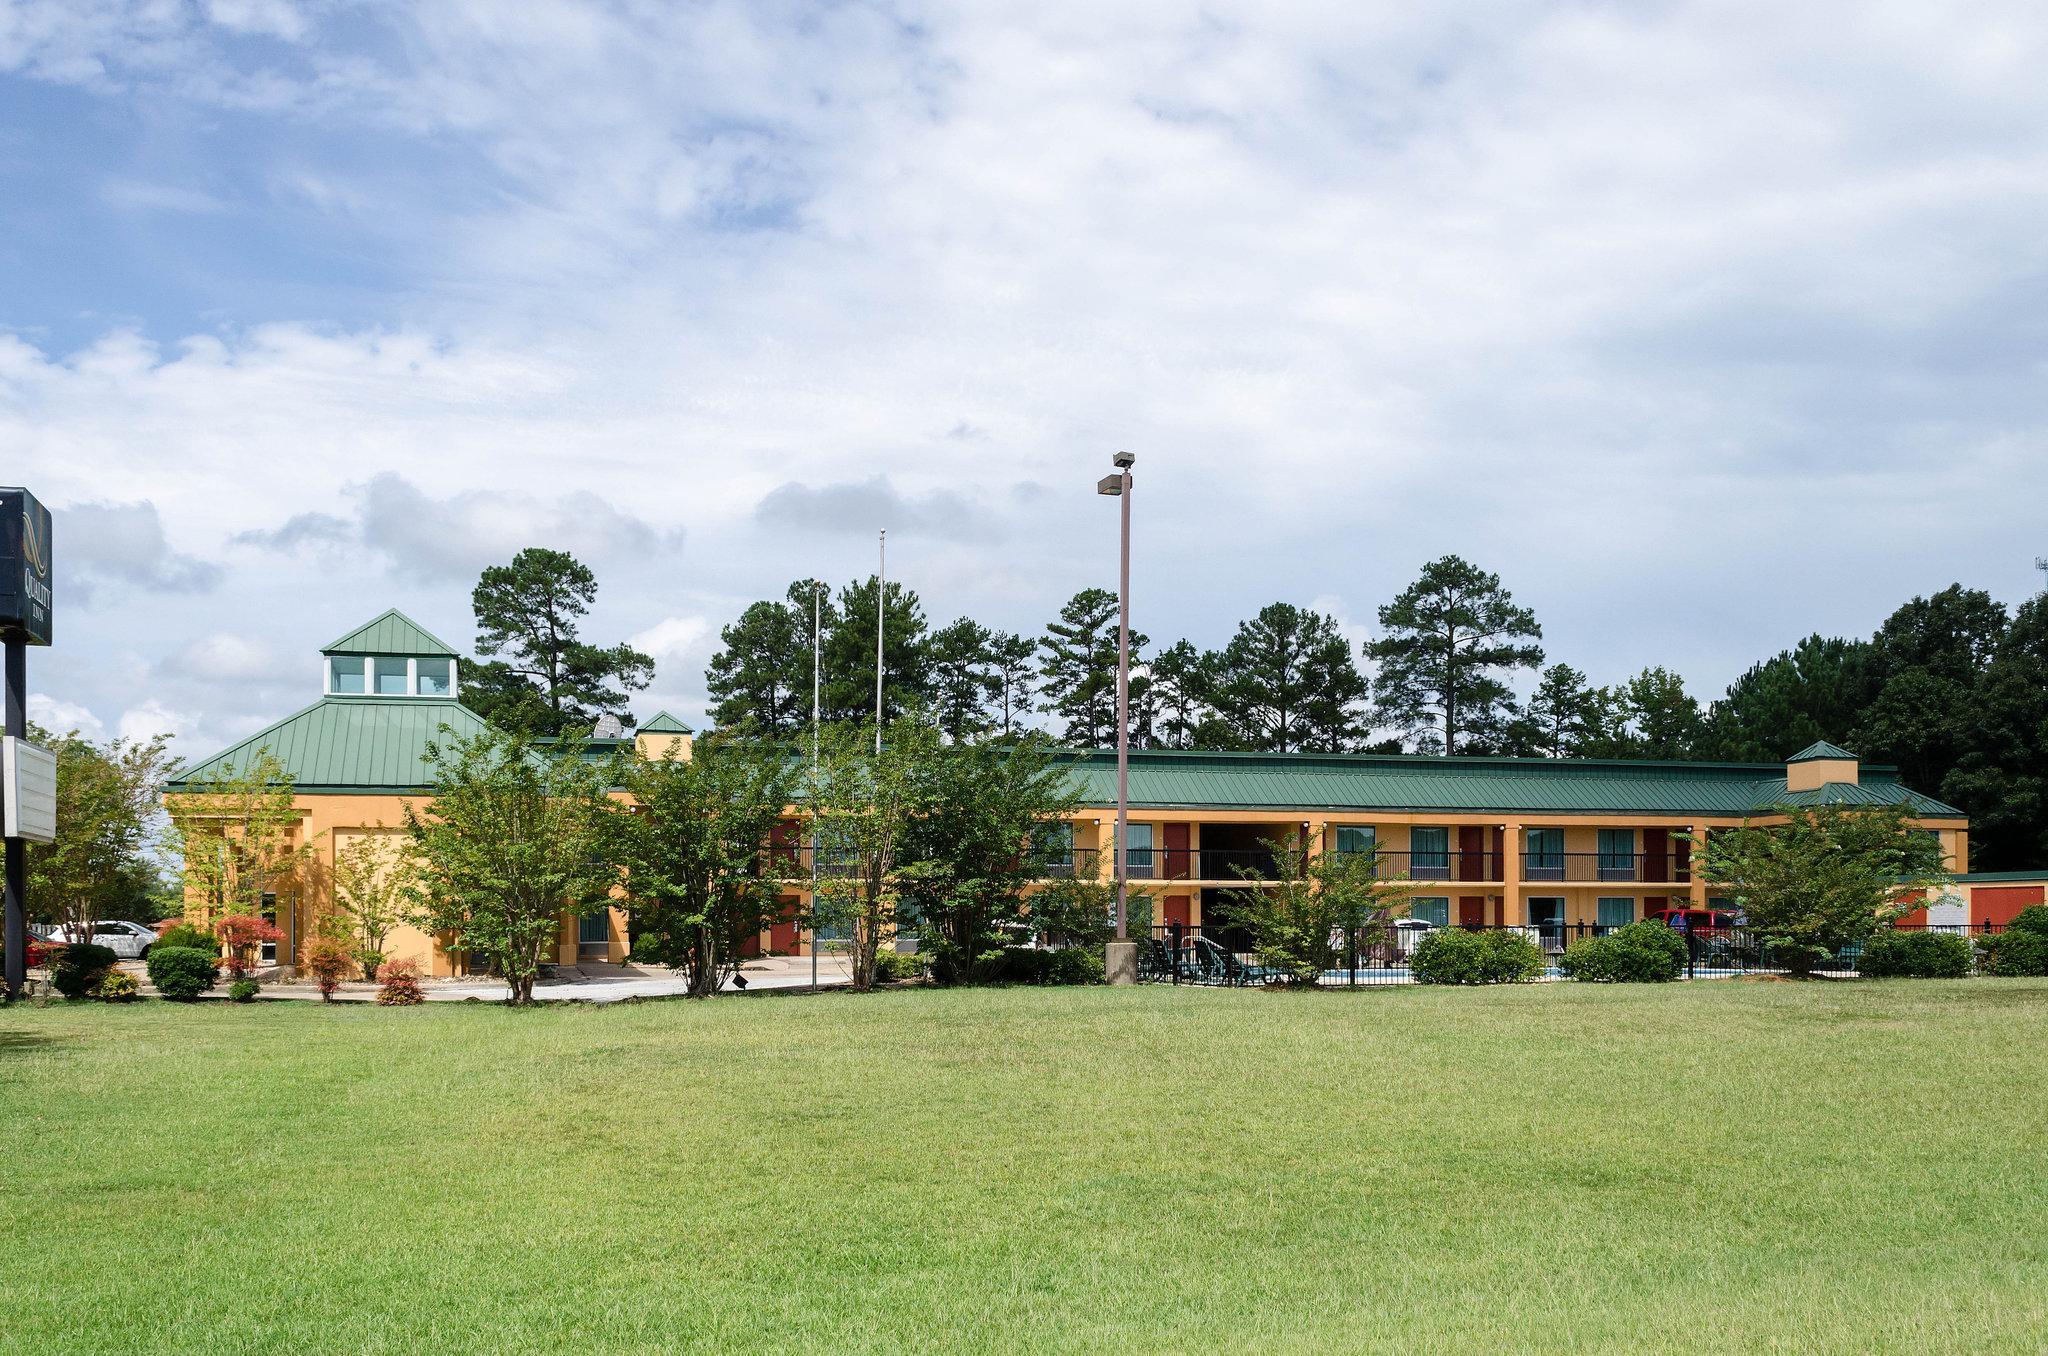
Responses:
[128,941]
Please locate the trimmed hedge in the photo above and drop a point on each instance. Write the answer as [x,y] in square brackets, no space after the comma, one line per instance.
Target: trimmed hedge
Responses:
[79,968]
[2016,953]
[1638,953]
[2033,918]
[1458,956]
[184,936]
[180,973]
[1915,955]
[1034,965]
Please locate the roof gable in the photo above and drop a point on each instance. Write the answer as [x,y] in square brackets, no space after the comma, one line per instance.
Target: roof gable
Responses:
[391,633]
[359,744]
[663,723]
[1819,750]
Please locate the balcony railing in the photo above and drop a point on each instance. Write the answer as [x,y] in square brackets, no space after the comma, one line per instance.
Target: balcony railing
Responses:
[1447,865]
[1658,868]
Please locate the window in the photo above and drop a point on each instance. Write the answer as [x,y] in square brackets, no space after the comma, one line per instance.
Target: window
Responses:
[1546,916]
[1614,913]
[391,676]
[1138,859]
[1617,854]
[345,674]
[594,931]
[1431,909]
[1056,848]
[1545,860]
[436,677]
[1356,837]
[1429,854]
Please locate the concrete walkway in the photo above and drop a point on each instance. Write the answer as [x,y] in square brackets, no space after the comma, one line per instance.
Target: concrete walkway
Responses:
[580,984]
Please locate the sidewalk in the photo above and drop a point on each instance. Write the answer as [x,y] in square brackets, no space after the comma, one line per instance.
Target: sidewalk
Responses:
[577,984]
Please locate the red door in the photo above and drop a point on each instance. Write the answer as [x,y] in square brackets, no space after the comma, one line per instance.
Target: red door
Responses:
[1177,864]
[2001,903]
[1176,911]
[782,937]
[1656,855]
[1471,911]
[1917,918]
[1472,852]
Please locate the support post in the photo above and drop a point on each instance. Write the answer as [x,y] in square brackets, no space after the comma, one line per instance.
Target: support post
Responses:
[16,964]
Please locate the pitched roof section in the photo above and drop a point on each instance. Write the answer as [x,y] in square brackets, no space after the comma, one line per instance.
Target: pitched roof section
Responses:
[663,723]
[1821,749]
[344,744]
[1396,783]
[392,633]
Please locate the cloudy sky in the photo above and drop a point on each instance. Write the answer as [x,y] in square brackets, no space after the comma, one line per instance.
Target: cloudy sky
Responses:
[1707,325]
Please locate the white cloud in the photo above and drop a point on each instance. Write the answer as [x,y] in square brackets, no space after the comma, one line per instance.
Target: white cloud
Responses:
[1688,314]
[60,717]
[147,719]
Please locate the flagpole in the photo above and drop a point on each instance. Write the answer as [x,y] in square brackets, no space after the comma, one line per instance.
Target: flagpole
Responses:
[881,593]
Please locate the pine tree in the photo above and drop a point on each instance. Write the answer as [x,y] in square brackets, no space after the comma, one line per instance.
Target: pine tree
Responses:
[1286,681]
[530,611]
[963,679]
[1079,671]
[763,675]
[1450,636]
[850,655]
[1563,713]
[1016,672]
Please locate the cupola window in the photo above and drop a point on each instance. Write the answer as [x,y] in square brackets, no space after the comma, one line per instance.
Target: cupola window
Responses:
[434,677]
[345,674]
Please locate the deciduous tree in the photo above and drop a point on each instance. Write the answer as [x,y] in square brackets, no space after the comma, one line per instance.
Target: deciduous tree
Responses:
[239,837]
[972,847]
[696,843]
[512,842]
[1825,877]
[866,803]
[101,864]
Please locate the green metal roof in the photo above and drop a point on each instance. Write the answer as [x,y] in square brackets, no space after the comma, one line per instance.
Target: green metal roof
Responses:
[2006,877]
[1396,782]
[1821,749]
[392,633]
[663,723]
[349,744]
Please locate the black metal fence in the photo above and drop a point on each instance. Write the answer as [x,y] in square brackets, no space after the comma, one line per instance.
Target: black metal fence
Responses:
[1225,954]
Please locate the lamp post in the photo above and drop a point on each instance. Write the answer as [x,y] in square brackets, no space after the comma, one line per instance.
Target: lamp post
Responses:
[1120,961]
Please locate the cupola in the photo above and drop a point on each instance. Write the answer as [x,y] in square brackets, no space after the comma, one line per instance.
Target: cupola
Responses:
[1821,764]
[391,656]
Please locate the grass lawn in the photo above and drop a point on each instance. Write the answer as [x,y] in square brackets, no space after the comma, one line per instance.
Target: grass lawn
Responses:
[1720,1166]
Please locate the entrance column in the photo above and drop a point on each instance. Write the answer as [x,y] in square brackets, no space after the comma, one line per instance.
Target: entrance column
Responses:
[1511,840]
[1696,892]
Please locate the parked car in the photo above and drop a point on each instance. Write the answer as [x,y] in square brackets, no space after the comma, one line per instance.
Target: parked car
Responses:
[128,941]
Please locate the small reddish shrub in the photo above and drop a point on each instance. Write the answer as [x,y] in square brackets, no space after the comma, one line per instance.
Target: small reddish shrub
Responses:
[240,935]
[401,984]
[329,964]
[39,953]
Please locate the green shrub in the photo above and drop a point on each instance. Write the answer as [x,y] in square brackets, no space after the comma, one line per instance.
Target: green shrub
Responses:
[1459,956]
[892,965]
[79,967]
[1639,953]
[1915,955]
[2033,918]
[244,990]
[185,937]
[1075,965]
[2013,954]
[180,973]
[1014,965]
[116,986]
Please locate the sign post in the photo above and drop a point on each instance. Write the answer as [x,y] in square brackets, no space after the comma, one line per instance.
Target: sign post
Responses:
[30,774]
